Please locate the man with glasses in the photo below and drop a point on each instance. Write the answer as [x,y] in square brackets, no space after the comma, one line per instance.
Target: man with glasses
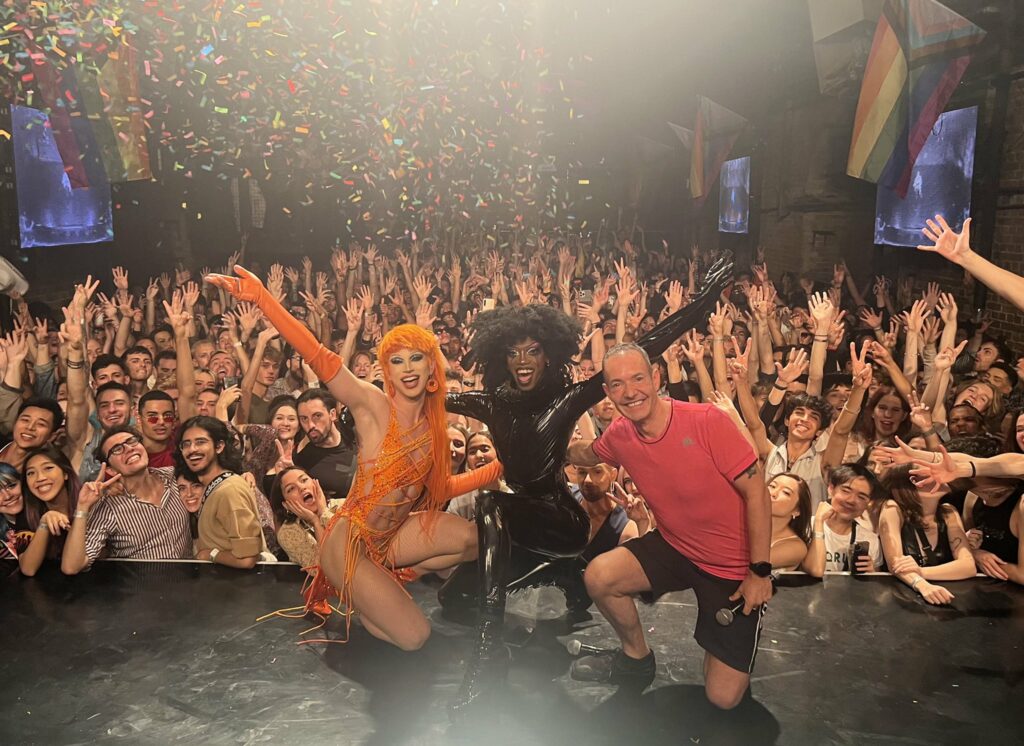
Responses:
[131,510]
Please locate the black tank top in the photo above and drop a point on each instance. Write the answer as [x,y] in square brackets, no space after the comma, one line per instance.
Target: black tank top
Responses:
[916,545]
[994,522]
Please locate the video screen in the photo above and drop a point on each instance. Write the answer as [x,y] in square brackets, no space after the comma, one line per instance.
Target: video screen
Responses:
[50,212]
[940,182]
[734,196]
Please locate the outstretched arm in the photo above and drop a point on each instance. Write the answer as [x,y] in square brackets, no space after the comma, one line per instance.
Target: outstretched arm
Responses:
[956,247]
[349,390]
[656,341]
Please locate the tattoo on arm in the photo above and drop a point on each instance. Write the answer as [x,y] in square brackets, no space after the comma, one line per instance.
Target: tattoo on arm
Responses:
[750,471]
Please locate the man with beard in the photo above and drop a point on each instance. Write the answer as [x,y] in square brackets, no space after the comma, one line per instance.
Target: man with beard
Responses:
[531,407]
[131,511]
[229,525]
[330,455]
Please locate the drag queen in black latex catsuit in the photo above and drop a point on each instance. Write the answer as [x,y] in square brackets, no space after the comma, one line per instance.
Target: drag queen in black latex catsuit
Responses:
[531,408]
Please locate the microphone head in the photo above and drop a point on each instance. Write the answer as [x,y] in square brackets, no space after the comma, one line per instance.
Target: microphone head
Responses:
[724,617]
[574,646]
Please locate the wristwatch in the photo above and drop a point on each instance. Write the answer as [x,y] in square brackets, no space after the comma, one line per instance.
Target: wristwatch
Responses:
[761,569]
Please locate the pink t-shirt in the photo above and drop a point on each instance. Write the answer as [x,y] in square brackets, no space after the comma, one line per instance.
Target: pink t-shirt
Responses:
[686,476]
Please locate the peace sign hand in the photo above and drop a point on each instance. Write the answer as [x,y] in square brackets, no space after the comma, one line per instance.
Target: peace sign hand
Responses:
[634,505]
[92,492]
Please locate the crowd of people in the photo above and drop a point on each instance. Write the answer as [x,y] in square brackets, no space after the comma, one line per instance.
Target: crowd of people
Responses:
[196,416]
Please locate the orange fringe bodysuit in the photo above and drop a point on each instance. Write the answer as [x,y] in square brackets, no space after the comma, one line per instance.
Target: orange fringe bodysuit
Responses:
[404,462]
[415,463]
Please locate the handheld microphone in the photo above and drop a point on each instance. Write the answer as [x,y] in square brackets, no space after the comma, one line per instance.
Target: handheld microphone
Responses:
[725,617]
[575,647]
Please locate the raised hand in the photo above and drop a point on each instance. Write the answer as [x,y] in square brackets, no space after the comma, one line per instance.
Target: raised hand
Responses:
[354,311]
[947,308]
[425,316]
[795,367]
[120,278]
[931,296]
[365,296]
[956,247]
[246,286]
[693,347]
[871,318]
[673,297]
[945,359]
[931,330]
[861,368]
[92,492]
[822,311]
[177,315]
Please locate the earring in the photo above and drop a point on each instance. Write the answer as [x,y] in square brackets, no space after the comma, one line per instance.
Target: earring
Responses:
[432,385]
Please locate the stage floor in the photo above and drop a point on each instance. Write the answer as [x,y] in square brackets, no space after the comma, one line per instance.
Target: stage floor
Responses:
[163,653]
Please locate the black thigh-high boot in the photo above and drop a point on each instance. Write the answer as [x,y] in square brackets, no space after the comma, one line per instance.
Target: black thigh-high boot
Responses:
[488,663]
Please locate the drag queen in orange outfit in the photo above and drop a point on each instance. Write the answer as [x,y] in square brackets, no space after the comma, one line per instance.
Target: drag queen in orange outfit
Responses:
[391,526]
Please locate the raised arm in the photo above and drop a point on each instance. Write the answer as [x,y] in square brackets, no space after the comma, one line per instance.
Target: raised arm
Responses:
[349,390]
[185,374]
[956,247]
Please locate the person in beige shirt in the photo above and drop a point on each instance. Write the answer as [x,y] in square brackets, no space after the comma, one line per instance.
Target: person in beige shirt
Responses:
[229,525]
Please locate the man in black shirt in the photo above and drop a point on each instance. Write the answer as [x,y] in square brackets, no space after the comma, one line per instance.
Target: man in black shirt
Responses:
[330,455]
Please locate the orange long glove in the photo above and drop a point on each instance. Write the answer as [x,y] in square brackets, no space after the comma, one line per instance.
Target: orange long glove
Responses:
[248,287]
[460,484]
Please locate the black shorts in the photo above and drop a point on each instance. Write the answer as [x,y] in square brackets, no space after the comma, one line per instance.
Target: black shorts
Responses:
[667,570]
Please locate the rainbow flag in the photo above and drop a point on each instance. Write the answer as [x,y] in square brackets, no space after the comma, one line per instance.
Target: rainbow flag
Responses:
[919,54]
[119,77]
[714,134]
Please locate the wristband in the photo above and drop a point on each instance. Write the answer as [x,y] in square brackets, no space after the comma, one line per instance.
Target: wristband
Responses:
[42,527]
[821,339]
[930,431]
[213,554]
[913,586]
[81,514]
[819,535]
[76,364]
[780,388]
[974,469]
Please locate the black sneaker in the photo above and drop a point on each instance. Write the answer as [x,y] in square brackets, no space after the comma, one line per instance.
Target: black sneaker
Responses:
[615,667]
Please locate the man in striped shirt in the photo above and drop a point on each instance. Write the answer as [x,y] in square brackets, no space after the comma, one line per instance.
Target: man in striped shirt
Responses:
[133,511]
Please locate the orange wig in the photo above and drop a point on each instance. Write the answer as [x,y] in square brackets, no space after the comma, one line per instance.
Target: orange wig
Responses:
[412,337]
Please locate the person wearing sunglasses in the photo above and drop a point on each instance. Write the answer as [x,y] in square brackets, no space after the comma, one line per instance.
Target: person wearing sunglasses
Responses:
[131,510]
[158,419]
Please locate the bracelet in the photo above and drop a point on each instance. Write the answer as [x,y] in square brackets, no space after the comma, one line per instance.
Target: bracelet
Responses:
[819,535]
[913,586]
[81,514]
[780,388]
[938,458]
[236,344]
[930,431]
[718,339]
[213,554]
[76,364]
[974,469]
[821,339]
[851,411]
[42,527]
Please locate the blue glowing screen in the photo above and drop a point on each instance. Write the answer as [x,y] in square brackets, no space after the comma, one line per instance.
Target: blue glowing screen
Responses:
[50,212]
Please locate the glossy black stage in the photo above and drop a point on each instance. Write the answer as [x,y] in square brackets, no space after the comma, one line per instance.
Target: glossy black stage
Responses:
[164,653]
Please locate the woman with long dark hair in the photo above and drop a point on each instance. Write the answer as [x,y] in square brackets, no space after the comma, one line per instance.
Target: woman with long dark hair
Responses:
[301,512]
[50,487]
[791,520]
[923,540]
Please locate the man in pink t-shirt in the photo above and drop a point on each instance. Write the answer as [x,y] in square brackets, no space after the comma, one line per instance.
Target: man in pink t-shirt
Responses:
[701,480]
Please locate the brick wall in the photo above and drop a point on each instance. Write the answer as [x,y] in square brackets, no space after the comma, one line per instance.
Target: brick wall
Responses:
[812,213]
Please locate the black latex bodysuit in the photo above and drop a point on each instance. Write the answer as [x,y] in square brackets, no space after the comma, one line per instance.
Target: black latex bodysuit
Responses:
[539,520]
